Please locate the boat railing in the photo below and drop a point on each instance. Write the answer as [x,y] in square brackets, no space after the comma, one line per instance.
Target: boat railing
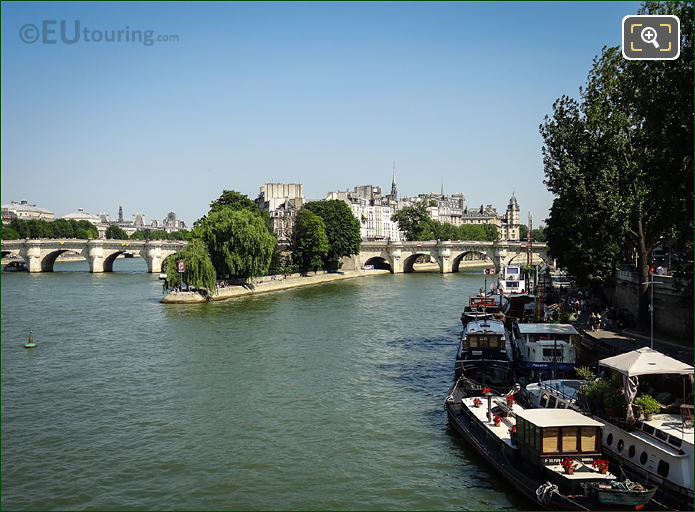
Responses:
[549,387]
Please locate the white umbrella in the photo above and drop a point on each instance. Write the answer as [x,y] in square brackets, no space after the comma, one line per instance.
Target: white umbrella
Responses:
[643,361]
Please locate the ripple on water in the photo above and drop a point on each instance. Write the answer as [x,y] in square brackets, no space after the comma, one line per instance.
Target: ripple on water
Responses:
[327,397]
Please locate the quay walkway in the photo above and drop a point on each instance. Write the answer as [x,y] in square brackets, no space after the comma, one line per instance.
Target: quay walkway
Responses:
[608,342]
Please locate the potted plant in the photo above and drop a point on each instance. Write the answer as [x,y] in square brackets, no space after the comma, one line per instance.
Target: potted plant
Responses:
[487,391]
[601,465]
[512,433]
[569,465]
[477,402]
[510,400]
[649,405]
[497,419]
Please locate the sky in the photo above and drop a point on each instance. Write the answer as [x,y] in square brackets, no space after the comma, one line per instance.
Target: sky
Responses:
[234,95]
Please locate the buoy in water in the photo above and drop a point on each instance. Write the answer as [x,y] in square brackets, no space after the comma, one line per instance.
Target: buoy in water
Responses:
[30,343]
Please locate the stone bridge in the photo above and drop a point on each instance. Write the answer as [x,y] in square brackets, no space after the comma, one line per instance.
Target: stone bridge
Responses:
[400,256]
[41,254]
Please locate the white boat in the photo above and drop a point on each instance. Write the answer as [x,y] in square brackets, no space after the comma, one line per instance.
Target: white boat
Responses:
[547,455]
[511,280]
[544,348]
[658,450]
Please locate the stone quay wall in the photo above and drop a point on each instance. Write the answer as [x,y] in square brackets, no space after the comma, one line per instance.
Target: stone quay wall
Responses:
[673,312]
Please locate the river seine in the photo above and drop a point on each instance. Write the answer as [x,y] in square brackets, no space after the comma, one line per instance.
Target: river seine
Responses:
[324,397]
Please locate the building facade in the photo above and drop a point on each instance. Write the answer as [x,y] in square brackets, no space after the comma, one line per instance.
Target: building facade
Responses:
[24,211]
[281,201]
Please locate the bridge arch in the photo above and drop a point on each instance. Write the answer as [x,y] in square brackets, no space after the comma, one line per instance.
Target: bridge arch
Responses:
[49,259]
[379,263]
[520,258]
[409,261]
[456,262]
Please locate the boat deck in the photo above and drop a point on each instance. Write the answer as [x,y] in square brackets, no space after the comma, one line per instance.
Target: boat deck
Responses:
[481,414]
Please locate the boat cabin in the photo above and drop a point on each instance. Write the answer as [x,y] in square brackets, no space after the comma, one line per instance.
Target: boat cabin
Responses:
[547,436]
[482,307]
[512,280]
[545,346]
[485,339]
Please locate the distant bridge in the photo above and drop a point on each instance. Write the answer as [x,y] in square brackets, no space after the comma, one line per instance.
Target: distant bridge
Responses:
[41,254]
[401,256]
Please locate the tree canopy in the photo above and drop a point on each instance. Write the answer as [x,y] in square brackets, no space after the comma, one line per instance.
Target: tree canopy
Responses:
[342,230]
[59,228]
[416,223]
[308,241]
[238,242]
[199,272]
[116,233]
[620,161]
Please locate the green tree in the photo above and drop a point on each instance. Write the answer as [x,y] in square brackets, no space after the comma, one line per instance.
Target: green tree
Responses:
[491,232]
[199,271]
[620,161]
[116,233]
[234,200]
[523,232]
[238,242]
[415,222]
[138,235]
[9,233]
[90,228]
[308,242]
[539,234]
[342,230]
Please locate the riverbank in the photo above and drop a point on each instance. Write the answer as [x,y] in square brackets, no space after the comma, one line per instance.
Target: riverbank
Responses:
[268,284]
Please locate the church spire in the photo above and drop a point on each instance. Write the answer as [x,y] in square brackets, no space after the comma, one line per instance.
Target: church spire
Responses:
[394,188]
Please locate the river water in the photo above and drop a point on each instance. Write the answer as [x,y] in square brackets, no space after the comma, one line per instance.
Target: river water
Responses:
[324,397]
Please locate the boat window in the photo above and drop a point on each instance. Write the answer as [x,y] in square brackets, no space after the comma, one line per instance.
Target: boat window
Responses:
[534,436]
[589,440]
[528,352]
[544,400]
[621,445]
[663,468]
[473,341]
[643,458]
[551,438]
[631,451]
[482,341]
[552,402]
[609,439]
[561,405]
[675,441]
[661,434]
[648,428]
[551,352]
[569,439]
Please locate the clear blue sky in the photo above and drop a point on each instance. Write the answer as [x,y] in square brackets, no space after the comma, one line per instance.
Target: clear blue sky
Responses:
[325,94]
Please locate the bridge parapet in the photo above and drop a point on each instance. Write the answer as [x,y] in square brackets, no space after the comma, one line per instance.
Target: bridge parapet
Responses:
[40,254]
[400,256]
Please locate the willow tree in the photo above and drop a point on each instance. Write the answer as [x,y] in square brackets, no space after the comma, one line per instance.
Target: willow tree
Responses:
[198,272]
[238,242]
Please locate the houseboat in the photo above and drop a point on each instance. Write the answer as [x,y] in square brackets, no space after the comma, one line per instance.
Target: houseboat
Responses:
[482,307]
[511,280]
[657,450]
[484,353]
[551,456]
[544,348]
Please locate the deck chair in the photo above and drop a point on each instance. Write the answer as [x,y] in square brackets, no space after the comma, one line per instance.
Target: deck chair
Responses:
[687,415]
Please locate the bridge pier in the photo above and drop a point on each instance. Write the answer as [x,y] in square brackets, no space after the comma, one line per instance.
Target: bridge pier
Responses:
[95,257]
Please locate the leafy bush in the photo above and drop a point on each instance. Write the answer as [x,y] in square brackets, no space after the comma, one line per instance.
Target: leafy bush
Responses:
[648,403]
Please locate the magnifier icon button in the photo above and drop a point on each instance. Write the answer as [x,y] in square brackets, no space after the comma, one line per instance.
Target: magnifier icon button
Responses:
[648,35]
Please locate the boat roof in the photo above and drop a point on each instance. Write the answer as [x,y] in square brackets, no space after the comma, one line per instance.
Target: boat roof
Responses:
[557,418]
[481,326]
[547,329]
